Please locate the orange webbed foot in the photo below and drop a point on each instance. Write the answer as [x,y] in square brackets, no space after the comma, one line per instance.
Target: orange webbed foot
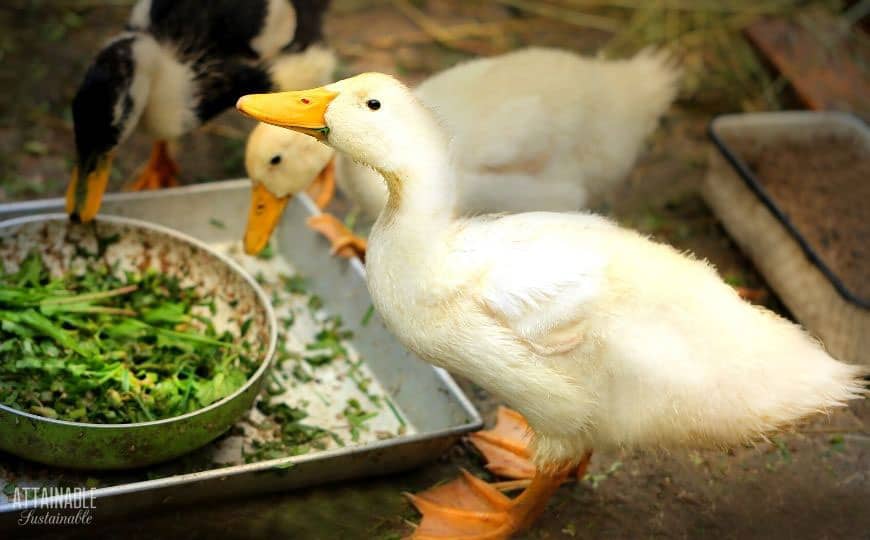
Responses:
[322,190]
[468,508]
[505,446]
[506,450]
[344,242]
[161,171]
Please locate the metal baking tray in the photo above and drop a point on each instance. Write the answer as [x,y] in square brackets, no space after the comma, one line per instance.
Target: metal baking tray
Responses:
[431,402]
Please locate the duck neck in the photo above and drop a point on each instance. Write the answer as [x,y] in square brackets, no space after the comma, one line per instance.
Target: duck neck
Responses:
[422,191]
[143,53]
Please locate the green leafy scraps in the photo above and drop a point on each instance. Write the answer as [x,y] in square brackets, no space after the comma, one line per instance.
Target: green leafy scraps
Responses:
[103,348]
[357,418]
[293,436]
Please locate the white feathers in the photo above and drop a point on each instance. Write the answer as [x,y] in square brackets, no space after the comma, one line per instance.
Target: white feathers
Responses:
[658,349]
[160,91]
[284,161]
[140,15]
[538,129]
[532,295]
[171,98]
[312,67]
[278,28]
[597,335]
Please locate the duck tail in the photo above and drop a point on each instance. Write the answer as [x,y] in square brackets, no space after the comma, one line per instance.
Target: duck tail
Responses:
[839,383]
[657,74]
[806,381]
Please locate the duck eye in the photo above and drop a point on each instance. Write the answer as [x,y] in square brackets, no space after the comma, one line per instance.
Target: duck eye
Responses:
[373,104]
[275,159]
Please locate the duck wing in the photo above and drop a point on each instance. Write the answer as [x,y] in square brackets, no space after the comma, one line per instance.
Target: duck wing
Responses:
[538,274]
[676,355]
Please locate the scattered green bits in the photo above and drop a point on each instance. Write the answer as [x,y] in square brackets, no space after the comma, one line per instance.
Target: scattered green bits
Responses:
[294,284]
[368,315]
[357,418]
[294,437]
[267,253]
[327,345]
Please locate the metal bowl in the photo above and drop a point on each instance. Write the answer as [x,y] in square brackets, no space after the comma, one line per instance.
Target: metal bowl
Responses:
[141,246]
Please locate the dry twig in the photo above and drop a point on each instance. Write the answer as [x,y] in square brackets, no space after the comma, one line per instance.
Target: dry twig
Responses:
[570,16]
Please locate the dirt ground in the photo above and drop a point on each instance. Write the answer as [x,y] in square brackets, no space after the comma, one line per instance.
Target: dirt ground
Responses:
[813,483]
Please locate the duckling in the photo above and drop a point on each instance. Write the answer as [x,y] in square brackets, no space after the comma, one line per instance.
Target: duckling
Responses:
[281,163]
[178,64]
[597,335]
[279,167]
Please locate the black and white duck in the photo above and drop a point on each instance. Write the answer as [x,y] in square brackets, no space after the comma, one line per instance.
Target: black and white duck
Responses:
[176,65]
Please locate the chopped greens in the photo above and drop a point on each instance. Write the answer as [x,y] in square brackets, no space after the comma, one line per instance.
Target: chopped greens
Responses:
[327,345]
[357,417]
[294,284]
[293,436]
[368,315]
[287,429]
[267,252]
[396,413]
[100,348]
[315,303]
[319,394]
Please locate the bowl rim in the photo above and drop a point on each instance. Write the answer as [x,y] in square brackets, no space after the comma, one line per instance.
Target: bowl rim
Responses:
[271,321]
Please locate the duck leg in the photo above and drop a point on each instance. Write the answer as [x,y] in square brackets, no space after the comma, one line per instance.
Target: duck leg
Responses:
[505,446]
[506,449]
[344,243]
[470,509]
[161,171]
[322,189]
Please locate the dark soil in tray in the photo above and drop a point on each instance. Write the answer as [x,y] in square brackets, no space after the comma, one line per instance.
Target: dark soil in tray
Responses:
[823,186]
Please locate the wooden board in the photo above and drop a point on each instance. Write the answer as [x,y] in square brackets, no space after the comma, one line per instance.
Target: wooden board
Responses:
[826,65]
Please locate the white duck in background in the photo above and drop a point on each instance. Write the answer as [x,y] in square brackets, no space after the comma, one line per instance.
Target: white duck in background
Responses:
[599,336]
[506,159]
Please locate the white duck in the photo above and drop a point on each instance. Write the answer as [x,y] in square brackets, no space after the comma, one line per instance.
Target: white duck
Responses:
[280,164]
[597,335]
[280,167]
[506,159]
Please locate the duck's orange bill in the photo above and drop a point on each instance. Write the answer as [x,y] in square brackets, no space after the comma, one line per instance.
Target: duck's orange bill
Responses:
[301,111]
[83,198]
[263,217]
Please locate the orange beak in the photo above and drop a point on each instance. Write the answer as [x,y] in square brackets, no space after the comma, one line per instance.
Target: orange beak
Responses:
[83,197]
[301,111]
[263,216]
